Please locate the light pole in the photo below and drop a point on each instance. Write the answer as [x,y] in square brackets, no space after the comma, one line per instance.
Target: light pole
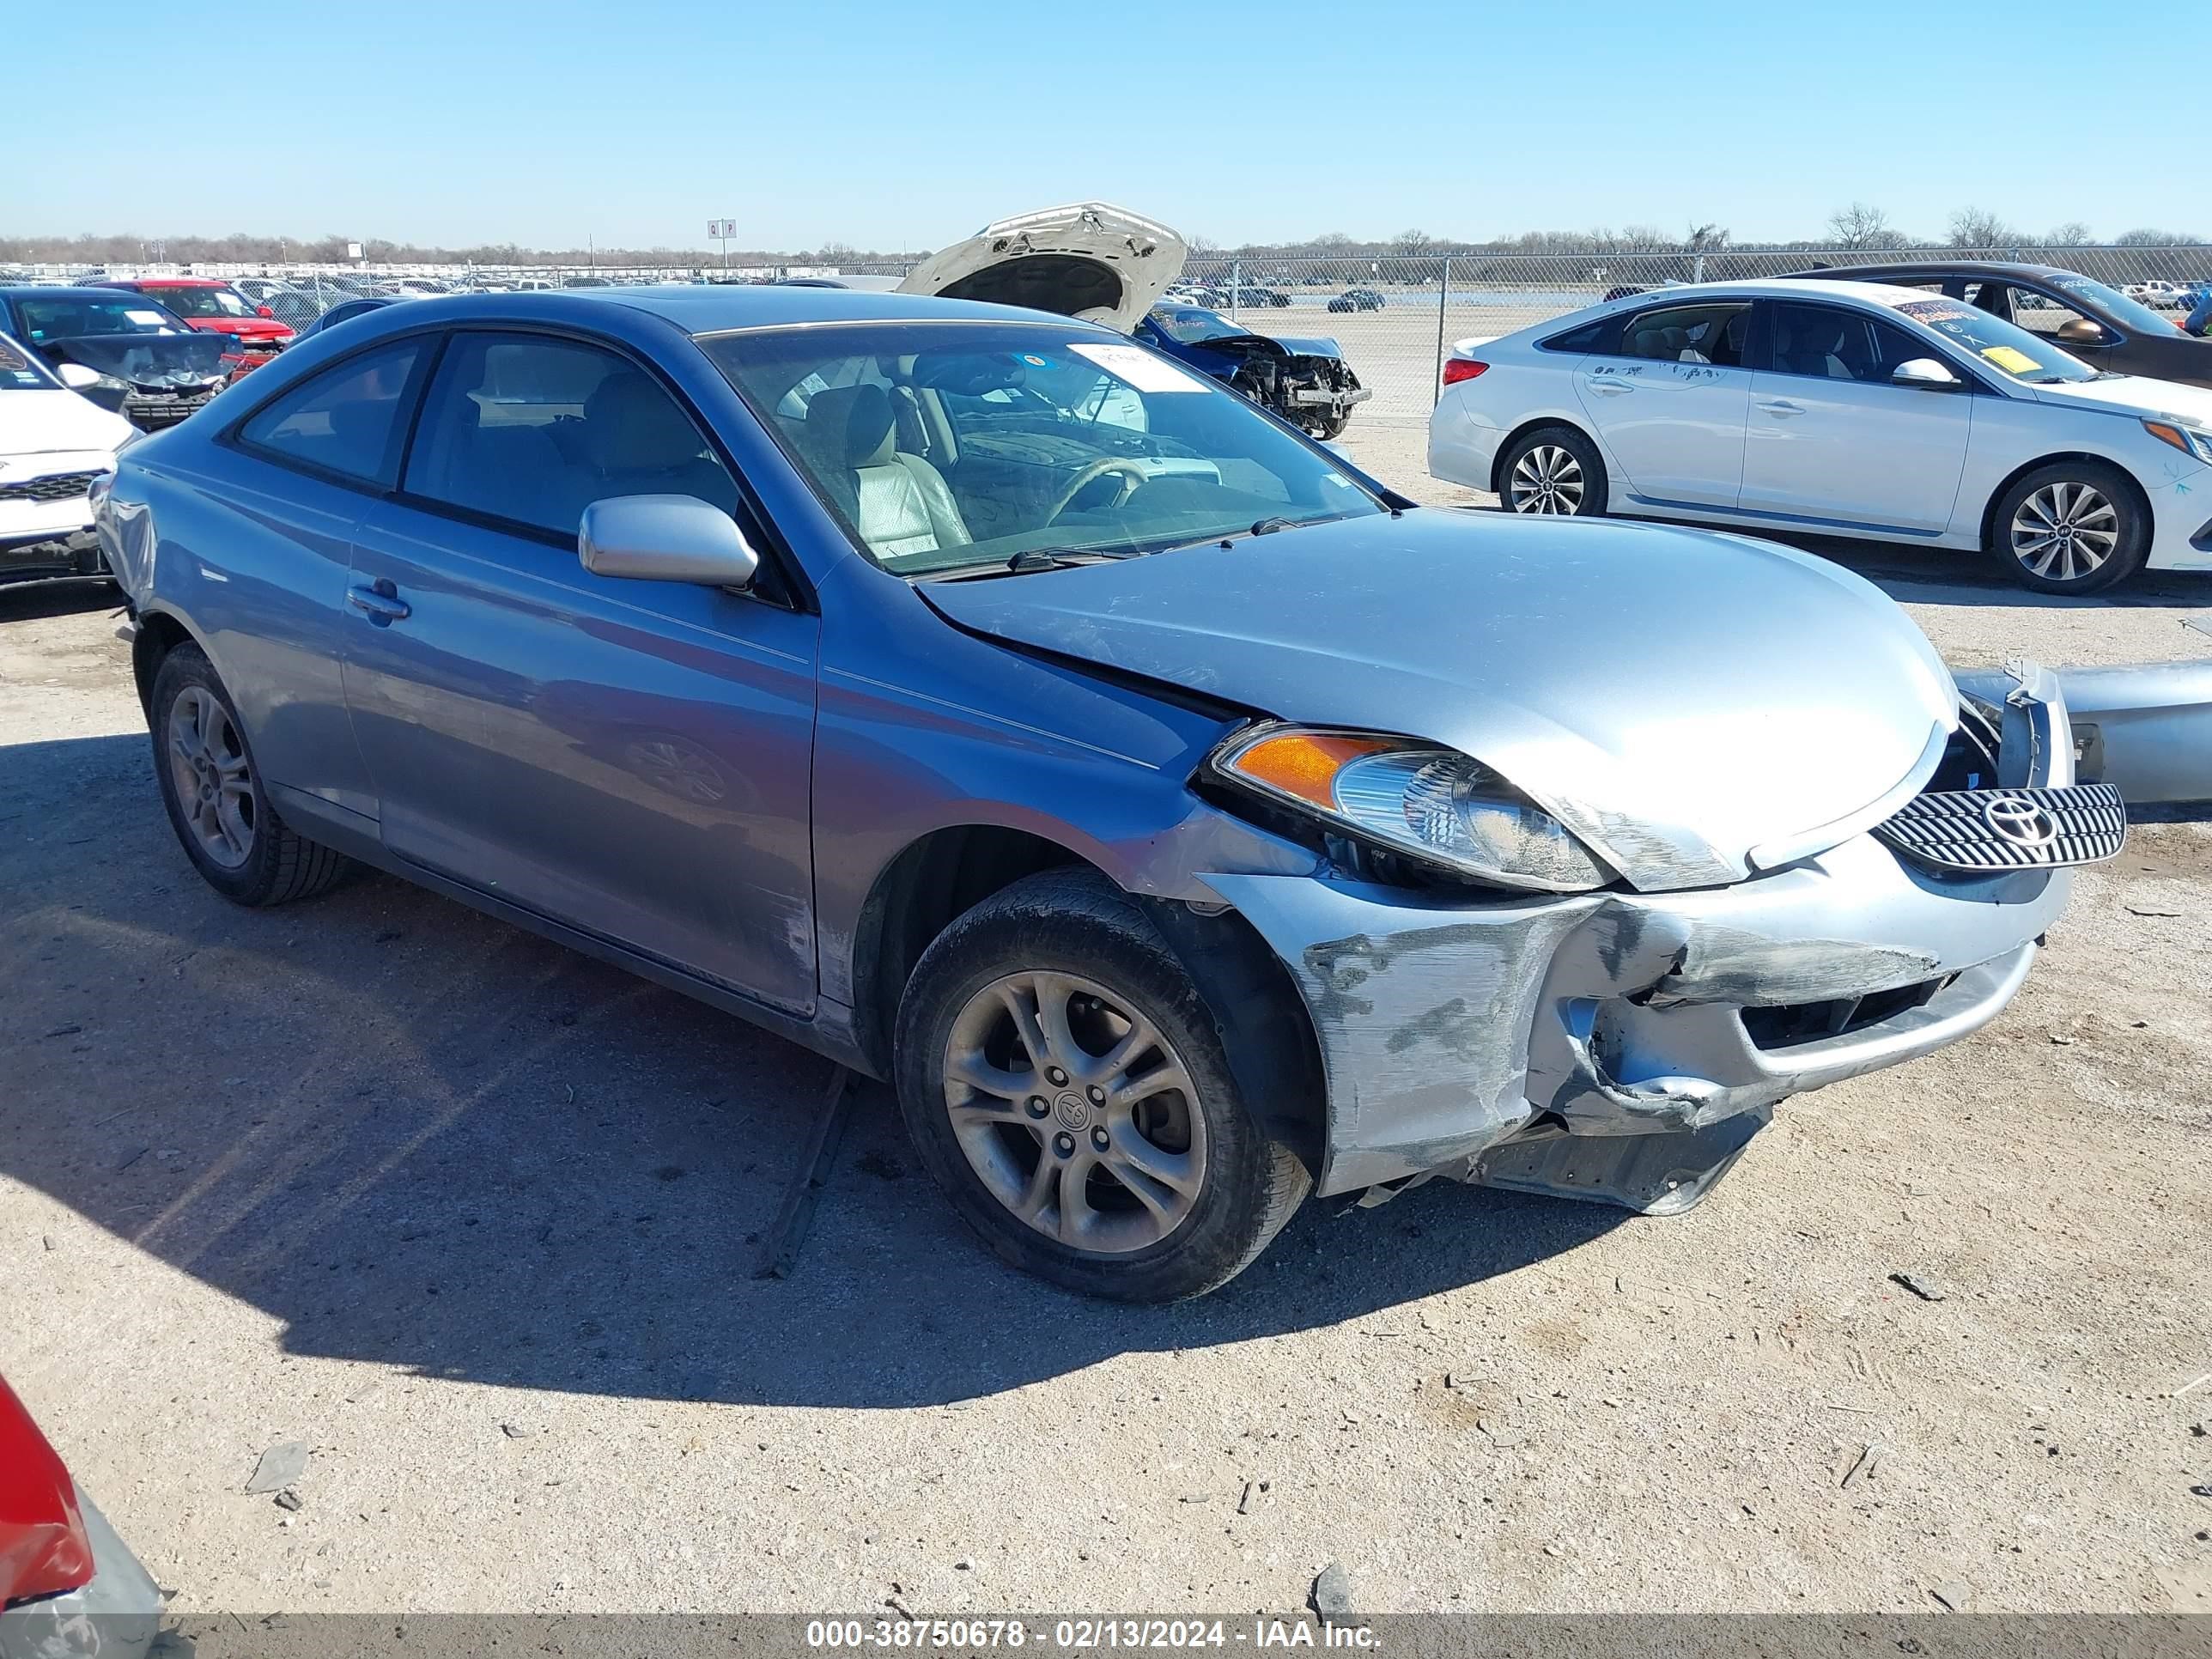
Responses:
[720,230]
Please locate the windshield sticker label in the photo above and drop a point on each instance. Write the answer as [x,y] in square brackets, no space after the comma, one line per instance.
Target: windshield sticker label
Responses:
[1138,367]
[1935,311]
[149,318]
[2011,359]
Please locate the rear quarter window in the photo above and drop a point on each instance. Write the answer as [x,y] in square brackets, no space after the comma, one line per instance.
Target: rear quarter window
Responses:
[1581,340]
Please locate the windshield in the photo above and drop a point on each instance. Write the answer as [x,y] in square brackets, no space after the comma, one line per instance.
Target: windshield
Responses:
[1191,325]
[203,301]
[70,316]
[1996,343]
[2129,313]
[20,372]
[951,447]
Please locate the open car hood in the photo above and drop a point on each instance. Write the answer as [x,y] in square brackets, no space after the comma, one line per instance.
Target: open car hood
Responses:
[1692,706]
[155,361]
[1101,264]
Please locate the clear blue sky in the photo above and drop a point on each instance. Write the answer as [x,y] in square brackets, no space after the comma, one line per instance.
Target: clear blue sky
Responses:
[887,123]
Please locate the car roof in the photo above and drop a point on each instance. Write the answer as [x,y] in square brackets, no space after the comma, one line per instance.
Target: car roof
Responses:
[715,308]
[1941,268]
[1768,288]
[159,282]
[48,290]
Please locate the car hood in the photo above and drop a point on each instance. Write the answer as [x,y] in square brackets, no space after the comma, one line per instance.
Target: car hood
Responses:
[244,328]
[157,361]
[1692,705]
[2136,394]
[1101,264]
[48,421]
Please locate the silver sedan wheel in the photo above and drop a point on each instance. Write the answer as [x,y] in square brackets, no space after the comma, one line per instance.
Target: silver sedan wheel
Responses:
[1075,1111]
[1547,479]
[2065,530]
[214,784]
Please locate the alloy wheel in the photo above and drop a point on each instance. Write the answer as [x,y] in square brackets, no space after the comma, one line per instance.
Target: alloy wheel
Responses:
[1547,479]
[213,779]
[1075,1112]
[2064,531]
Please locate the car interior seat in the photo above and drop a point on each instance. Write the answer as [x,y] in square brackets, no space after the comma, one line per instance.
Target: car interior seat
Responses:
[640,443]
[1814,344]
[898,502]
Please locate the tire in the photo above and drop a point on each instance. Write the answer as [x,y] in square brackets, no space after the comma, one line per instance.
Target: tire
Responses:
[1100,1223]
[1325,427]
[1553,471]
[2084,522]
[223,820]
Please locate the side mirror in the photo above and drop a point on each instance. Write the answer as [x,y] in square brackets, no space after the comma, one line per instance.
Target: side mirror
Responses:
[2080,331]
[262,311]
[79,377]
[664,538]
[1926,374]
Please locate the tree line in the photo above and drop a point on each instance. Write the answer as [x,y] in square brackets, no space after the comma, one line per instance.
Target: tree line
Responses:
[1859,227]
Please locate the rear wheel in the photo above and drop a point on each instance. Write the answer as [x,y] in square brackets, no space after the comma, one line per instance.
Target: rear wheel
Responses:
[1063,1083]
[1553,471]
[2071,527]
[215,798]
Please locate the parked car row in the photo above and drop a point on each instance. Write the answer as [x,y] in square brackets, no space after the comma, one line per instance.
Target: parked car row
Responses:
[1922,414]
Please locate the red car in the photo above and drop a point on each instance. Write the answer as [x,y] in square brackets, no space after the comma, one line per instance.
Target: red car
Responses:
[68,1584]
[215,308]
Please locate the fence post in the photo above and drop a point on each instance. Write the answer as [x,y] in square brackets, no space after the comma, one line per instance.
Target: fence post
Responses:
[1443,293]
[1235,285]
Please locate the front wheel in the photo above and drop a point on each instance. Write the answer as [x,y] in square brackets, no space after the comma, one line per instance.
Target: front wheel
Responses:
[2071,527]
[1065,1083]
[1329,425]
[1554,471]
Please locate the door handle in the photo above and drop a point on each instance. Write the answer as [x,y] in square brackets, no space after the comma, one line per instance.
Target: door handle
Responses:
[380,602]
[1608,385]
[1783,408]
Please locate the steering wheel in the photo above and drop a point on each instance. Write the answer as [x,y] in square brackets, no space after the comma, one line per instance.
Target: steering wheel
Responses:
[1135,475]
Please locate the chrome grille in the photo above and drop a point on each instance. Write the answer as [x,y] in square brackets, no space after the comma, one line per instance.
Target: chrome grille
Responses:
[54,487]
[1985,830]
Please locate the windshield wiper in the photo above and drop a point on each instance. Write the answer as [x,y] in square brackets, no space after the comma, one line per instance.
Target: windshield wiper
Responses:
[1029,559]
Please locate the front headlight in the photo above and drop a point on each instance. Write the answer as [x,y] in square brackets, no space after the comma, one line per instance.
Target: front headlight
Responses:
[1415,797]
[2188,440]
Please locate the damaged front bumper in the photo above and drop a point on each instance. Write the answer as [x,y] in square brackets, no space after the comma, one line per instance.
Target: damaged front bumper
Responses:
[1624,1047]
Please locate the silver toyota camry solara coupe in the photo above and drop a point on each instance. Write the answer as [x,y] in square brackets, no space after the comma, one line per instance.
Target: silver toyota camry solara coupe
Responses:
[1181,820]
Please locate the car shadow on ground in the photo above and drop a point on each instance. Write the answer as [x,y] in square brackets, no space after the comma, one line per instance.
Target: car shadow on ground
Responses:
[1917,575]
[34,601]
[425,1139]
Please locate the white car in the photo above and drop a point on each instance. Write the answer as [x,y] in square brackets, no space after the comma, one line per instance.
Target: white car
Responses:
[53,444]
[1836,409]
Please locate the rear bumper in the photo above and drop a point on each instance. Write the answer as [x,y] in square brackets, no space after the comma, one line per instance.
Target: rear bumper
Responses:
[1462,448]
[115,1615]
[52,558]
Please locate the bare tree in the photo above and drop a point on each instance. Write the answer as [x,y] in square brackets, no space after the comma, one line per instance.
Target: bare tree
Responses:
[2149,238]
[1973,227]
[2072,233]
[1860,226]
[1407,243]
[1335,241]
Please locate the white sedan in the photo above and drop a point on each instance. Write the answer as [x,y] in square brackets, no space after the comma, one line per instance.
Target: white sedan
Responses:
[53,444]
[1836,409]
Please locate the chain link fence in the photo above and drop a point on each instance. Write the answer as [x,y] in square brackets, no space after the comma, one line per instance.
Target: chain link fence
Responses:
[1394,316]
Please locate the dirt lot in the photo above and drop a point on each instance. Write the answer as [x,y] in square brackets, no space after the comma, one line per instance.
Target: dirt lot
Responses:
[474,1218]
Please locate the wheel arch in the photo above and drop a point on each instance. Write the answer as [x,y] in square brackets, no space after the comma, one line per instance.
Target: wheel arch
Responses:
[1537,423]
[2056,458]
[158,633]
[1266,1027]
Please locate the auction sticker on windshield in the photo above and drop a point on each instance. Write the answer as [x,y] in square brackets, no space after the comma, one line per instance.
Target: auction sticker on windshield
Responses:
[1934,312]
[150,319]
[1138,367]
[2011,359]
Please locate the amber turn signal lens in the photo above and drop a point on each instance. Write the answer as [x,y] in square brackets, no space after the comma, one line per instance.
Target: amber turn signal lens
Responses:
[1305,764]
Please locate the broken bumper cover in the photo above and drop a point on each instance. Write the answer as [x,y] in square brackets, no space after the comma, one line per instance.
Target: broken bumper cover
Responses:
[1626,1046]
[115,1614]
[1330,396]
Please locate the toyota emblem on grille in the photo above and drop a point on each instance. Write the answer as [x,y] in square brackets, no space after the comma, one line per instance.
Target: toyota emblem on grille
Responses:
[2022,823]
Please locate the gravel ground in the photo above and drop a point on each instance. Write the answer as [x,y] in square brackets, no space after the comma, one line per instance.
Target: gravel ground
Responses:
[475,1218]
